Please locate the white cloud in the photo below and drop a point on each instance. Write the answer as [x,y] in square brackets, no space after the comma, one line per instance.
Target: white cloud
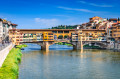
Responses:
[96,5]
[47,22]
[75,9]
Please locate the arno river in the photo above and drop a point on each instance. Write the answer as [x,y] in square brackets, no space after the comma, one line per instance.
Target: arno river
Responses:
[61,62]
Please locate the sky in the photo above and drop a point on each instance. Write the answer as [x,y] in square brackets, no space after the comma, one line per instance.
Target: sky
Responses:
[43,14]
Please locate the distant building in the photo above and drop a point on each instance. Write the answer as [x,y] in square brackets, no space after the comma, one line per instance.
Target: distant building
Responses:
[78,27]
[113,20]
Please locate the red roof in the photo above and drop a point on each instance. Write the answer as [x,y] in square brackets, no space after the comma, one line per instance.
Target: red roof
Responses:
[111,19]
[115,24]
[58,29]
[14,24]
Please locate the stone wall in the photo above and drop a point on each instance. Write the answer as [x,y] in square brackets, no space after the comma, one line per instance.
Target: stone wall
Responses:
[117,47]
[4,53]
[110,46]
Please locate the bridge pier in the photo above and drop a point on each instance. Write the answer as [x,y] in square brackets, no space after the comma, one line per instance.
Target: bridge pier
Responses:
[45,45]
[77,45]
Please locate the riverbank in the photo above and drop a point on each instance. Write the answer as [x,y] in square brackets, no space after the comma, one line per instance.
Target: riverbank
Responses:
[10,68]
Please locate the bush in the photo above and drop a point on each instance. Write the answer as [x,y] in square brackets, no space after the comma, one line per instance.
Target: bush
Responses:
[21,46]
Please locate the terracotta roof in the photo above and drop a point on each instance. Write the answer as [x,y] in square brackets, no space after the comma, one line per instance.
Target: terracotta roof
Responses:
[113,19]
[47,29]
[14,24]
[114,24]
[58,29]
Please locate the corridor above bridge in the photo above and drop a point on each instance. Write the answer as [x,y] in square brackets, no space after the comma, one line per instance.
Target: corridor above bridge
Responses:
[19,36]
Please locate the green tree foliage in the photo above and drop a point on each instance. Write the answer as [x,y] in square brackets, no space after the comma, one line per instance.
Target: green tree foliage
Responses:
[65,27]
[66,36]
[60,37]
[21,46]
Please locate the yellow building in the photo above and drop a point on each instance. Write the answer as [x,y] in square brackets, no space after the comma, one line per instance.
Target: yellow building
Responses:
[48,36]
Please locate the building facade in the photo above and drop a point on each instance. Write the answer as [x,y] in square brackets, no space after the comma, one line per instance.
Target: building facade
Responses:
[4,29]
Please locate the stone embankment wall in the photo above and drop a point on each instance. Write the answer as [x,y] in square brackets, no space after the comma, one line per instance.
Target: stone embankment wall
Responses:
[4,53]
[110,46]
[117,47]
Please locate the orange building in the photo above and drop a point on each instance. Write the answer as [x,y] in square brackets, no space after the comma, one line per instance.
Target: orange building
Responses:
[95,18]
[116,31]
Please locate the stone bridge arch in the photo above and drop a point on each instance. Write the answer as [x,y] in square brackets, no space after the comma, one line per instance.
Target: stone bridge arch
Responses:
[76,44]
[79,44]
[63,42]
[98,43]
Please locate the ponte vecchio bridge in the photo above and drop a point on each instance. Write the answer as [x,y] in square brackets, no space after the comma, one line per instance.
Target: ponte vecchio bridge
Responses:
[47,37]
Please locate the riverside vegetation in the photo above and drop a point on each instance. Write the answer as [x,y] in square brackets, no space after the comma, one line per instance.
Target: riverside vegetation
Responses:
[61,43]
[21,46]
[10,68]
[85,46]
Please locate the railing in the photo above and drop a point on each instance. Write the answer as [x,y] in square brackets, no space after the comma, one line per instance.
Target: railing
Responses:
[89,39]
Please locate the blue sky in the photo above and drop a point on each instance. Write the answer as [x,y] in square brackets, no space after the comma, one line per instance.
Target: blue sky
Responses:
[41,14]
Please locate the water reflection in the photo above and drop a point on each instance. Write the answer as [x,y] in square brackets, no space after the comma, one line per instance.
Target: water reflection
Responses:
[69,64]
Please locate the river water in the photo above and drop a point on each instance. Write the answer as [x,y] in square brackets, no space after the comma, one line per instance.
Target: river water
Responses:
[61,62]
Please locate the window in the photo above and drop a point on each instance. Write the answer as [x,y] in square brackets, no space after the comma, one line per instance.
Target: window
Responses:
[118,27]
[114,21]
[54,31]
[66,31]
[50,34]
[60,31]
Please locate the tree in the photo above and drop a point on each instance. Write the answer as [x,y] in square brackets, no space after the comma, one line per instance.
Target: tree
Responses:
[66,36]
[60,37]
[118,19]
